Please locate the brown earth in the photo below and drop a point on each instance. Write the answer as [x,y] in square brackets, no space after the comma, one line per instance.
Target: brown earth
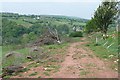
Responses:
[79,62]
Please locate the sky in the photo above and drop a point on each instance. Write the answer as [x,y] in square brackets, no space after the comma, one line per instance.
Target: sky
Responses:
[83,9]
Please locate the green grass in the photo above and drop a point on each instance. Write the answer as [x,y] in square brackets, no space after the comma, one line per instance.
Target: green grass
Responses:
[33,65]
[12,47]
[6,49]
[24,70]
[7,76]
[33,74]
[14,60]
[91,65]
[84,72]
[55,46]
[76,39]
[39,76]
[21,22]
[0,60]
[101,49]
[53,67]
[46,73]
[24,51]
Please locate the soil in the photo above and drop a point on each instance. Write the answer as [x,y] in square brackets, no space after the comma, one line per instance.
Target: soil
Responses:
[79,62]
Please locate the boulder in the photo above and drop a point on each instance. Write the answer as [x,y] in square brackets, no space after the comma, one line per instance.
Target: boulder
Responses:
[9,54]
[11,69]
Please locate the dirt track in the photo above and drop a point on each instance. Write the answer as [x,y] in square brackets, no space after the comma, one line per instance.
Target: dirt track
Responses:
[80,62]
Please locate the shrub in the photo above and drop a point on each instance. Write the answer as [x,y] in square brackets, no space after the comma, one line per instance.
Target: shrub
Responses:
[76,34]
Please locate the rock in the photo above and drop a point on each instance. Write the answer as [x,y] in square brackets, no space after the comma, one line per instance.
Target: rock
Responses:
[13,53]
[45,69]
[35,48]
[67,55]
[29,57]
[11,69]
[80,67]
[74,58]
[116,69]
[9,54]
[73,72]
[117,60]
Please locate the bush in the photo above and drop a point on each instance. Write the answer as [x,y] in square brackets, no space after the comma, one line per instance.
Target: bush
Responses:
[76,34]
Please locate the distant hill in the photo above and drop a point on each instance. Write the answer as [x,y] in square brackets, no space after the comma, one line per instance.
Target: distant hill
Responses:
[29,20]
[16,15]
[15,26]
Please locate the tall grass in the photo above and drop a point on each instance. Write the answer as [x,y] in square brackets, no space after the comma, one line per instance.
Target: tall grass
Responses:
[0,60]
[105,47]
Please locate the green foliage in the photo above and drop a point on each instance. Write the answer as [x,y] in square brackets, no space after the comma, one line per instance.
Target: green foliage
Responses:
[11,32]
[22,29]
[76,34]
[16,59]
[90,26]
[37,29]
[55,46]
[7,77]
[101,49]
[104,15]
[32,36]
[63,29]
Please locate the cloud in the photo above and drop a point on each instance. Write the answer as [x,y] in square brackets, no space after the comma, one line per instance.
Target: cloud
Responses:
[50,0]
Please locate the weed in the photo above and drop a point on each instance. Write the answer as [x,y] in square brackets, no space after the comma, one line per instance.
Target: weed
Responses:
[20,75]
[90,55]
[46,73]
[114,66]
[87,45]
[91,65]
[24,70]
[33,65]
[33,74]
[39,76]
[52,67]
[83,72]
[6,76]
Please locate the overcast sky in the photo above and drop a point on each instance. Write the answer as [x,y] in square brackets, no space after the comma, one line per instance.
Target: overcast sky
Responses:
[84,9]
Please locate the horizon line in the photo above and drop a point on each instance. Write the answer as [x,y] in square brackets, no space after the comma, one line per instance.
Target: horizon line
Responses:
[45,14]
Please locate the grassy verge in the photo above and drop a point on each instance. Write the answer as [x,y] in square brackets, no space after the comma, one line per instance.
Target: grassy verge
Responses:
[56,51]
[0,60]
[105,49]
[21,58]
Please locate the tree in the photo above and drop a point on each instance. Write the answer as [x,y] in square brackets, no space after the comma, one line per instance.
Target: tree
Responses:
[37,28]
[12,32]
[118,18]
[63,29]
[104,15]
[32,36]
[90,26]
